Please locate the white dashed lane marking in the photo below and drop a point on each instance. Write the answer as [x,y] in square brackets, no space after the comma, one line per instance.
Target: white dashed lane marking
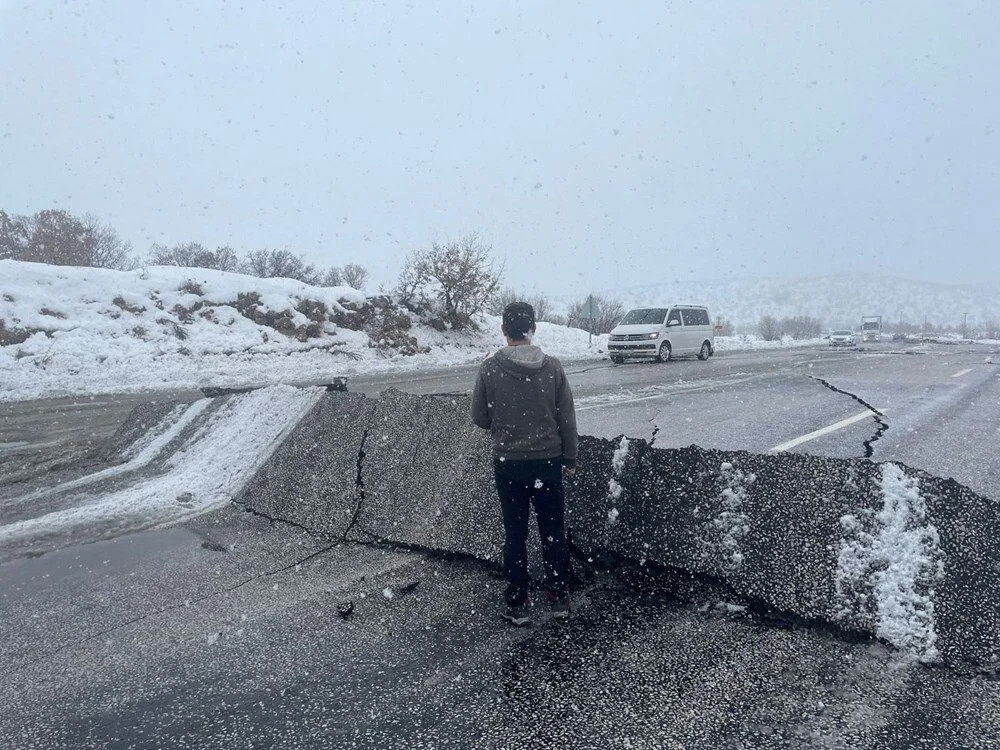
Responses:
[822,431]
[960,373]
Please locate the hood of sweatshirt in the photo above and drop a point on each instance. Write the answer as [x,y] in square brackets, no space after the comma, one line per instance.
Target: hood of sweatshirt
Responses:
[522,361]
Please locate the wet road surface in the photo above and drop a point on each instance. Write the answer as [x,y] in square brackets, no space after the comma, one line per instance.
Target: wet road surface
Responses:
[224,631]
[161,640]
[942,404]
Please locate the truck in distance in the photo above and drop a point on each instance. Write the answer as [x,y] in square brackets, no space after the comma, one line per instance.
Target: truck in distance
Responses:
[871,328]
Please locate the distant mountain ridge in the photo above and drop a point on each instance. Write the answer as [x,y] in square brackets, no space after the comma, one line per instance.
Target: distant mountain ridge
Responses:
[835,300]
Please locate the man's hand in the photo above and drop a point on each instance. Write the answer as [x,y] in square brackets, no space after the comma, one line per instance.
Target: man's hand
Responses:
[570,472]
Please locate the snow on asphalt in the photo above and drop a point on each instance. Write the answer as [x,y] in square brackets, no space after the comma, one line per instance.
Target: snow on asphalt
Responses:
[226,448]
[149,447]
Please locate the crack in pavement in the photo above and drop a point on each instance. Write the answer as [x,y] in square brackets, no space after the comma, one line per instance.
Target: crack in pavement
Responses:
[182,605]
[589,369]
[279,519]
[656,427]
[359,481]
[876,414]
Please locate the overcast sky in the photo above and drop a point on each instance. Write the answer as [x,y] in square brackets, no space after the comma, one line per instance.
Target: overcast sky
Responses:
[594,145]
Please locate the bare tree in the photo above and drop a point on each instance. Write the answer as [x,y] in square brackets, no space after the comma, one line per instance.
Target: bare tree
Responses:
[59,238]
[539,303]
[461,276]
[284,264]
[724,326]
[13,236]
[226,259]
[333,277]
[108,250]
[769,328]
[542,306]
[355,275]
[503,298]
[991,329]
[409,289]
[800,327]
[606,314]
[195,255]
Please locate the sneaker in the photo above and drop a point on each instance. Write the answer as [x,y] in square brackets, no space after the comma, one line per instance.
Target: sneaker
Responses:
[517,615]
[558,605]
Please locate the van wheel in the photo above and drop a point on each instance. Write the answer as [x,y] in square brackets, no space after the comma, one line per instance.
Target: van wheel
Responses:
[706,351]
[664,354]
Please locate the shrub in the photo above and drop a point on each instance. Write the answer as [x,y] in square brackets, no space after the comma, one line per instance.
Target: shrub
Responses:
[268,264]
[800,327]
[460,278]
[191,287]
[120,302]
[355,275]
[769,328]
[194,255]
[9,336]
[606,314]
[59,238]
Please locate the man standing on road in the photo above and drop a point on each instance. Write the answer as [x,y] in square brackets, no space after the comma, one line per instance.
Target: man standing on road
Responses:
[523,399]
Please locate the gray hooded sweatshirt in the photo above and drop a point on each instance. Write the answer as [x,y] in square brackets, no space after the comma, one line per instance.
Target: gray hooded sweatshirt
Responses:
[523,399]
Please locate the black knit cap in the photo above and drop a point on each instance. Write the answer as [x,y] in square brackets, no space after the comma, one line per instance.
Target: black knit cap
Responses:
[518,319]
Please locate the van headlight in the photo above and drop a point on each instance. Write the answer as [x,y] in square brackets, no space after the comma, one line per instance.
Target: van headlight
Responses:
[653,335]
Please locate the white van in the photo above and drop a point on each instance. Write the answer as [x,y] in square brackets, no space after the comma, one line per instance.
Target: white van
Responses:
[663,332]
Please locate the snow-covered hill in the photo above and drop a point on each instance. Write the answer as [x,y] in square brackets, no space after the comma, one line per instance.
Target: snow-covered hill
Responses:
[838,301]
[66,330]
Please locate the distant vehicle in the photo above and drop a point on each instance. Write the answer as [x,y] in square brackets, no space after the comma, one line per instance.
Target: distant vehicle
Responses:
[662,332]
[842,338]
[871,328]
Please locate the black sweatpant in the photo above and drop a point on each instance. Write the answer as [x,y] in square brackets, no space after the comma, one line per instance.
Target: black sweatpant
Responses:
[519,484]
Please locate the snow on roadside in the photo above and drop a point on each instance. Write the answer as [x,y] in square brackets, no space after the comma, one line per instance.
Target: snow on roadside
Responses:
[80,331]
[77,331]
[229,445]
[752,342]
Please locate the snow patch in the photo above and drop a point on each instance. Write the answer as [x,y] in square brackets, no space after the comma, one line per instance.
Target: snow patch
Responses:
[614,489]
[723,538]
[619,456]
[209,469]
[614,486]
[888,565]
[143,451]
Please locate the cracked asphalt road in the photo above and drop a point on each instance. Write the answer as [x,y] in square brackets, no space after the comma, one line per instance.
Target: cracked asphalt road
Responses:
[223,631]
[155,640]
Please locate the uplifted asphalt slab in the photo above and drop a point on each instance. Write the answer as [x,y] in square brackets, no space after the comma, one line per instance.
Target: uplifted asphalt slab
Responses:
[225,632]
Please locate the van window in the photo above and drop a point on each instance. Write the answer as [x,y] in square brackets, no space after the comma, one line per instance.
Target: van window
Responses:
[675,314]
[644,316]
[695,317]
